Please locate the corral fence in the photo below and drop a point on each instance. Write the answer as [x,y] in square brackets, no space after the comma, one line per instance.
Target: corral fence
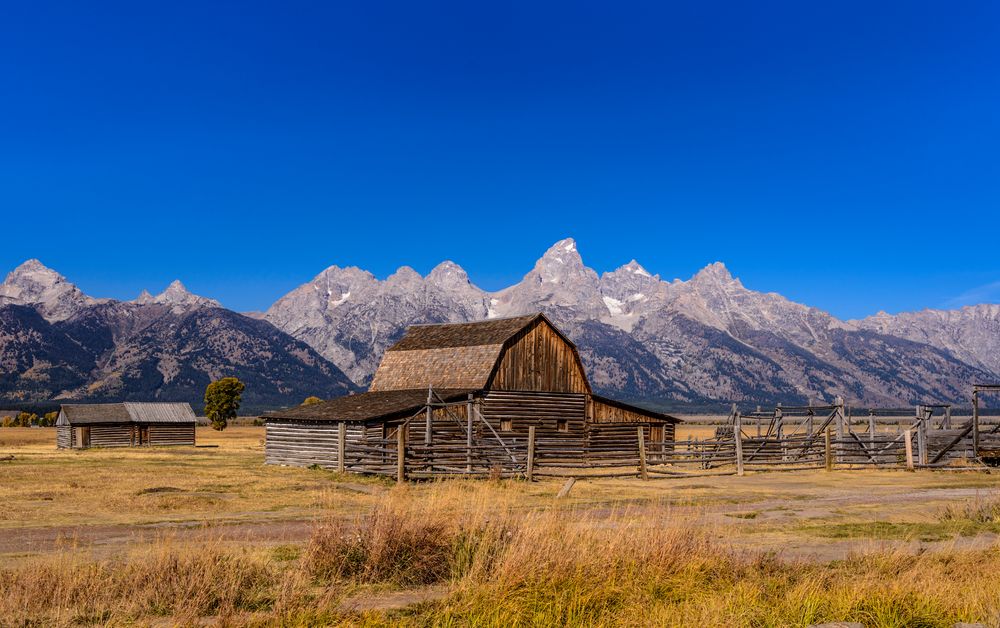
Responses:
[782,439]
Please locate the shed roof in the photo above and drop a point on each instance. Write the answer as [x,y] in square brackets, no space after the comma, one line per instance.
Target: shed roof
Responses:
[142,412]
[84,413]
[128,412]
[368,406]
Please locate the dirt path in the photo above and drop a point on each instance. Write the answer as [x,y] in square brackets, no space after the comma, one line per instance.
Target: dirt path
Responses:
[106,539]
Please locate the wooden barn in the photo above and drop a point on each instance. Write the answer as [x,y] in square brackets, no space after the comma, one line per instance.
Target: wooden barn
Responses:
[129,424]
[469,396]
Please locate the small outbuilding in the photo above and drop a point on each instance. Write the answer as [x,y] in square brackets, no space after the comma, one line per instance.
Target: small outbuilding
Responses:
[468,394]
[128,424]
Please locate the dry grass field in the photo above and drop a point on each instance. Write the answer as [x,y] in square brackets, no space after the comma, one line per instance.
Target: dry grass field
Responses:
[209,535]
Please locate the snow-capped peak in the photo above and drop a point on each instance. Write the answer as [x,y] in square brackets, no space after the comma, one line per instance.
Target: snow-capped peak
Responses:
[636,268]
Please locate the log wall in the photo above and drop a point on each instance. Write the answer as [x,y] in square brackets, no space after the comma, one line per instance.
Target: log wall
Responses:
[64,437]
[115,435]
[171,434]
[302,444]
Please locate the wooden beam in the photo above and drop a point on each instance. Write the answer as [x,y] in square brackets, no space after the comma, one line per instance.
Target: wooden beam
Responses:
[530,471]
[909,449]
[468,434]
[828,449]
[738,439]
[401,453]
[975,423]
[564,491]
[341,446]
[642,454]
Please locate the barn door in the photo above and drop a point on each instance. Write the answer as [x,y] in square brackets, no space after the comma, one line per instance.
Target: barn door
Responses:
[83,437]
[143,434]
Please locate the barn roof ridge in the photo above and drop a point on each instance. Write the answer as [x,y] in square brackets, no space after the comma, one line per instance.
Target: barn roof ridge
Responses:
[127,412]
[480,321]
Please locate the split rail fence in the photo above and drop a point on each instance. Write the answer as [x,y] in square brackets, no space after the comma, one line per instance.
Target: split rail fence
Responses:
[785,439]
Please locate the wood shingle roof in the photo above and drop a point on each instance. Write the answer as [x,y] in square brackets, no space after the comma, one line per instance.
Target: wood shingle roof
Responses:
[367,406]
[128,412]
[495,331]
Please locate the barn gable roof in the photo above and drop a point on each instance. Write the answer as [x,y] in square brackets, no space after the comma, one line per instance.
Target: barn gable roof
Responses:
[128,412]
[452,355]
[369,406]
[495,331]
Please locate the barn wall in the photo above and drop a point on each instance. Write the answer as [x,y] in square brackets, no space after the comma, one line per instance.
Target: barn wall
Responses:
[606,413]
[447,425]
[539,359]
[543,410]
[114,435]
[64,437]
[302,444]
[171,434]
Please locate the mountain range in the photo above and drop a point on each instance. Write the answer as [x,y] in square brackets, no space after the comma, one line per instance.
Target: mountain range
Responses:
[705,339]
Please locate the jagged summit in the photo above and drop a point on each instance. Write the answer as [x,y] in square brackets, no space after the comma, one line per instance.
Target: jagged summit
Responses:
[33,283]
[176,294]
[635,268]
[715,272]
[448,274]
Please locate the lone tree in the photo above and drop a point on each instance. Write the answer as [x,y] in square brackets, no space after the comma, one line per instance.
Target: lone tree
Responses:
[222,401]
[311,400]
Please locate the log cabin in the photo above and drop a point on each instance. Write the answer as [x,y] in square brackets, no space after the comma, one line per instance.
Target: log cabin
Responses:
[129,424]
[467,388]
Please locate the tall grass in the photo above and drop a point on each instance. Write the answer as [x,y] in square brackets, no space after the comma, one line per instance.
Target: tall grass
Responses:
[505,566]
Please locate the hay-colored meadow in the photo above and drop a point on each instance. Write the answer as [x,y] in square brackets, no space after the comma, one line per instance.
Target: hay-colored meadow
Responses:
[210,535]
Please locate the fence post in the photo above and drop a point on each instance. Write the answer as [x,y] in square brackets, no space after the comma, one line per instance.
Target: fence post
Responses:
[921,435]
[530,471]
[738,440]
[828,450]
[909,449]
[871,428]
[341,446]
[779,430]
[841,420]
[429,416]
[468,434]
[975,423]
[642,454]
[401,453]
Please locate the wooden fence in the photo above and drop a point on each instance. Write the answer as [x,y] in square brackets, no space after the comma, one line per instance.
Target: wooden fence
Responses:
[784,439]
[636,457]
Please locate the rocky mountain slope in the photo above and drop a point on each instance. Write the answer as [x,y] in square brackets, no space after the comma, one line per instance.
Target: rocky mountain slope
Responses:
[707,338]
[971,333]
[56,342]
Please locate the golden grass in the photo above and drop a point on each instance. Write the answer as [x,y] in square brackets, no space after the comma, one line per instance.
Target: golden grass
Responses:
[503,567]
[819,546]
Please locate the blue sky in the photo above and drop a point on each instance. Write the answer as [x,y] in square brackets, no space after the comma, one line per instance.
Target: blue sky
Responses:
[844,154]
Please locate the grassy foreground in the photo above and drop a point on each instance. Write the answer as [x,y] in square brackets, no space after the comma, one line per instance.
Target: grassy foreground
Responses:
[211,536]
[500,566]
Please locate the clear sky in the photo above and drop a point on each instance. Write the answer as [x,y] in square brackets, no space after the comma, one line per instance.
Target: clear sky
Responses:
[845,154]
